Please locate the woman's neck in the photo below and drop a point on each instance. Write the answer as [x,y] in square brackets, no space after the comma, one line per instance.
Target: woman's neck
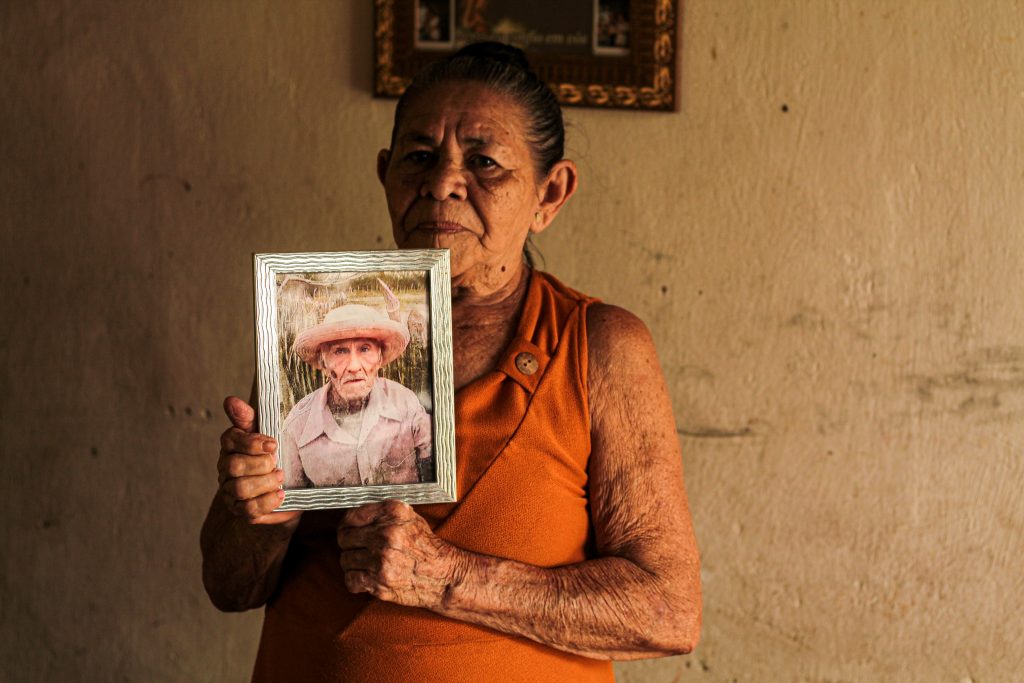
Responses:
[483,325]
[471,302]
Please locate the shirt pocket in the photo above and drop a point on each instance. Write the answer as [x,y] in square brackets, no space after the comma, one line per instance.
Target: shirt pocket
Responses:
[391,454]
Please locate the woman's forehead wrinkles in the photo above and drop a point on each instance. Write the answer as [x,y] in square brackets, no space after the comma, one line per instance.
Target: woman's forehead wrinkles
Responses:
[417,137]
[469,128]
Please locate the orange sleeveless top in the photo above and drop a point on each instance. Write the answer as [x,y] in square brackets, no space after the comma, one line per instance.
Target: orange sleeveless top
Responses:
[522,446]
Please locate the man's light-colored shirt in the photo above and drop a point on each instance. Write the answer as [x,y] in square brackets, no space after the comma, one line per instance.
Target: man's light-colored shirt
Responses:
[395,432]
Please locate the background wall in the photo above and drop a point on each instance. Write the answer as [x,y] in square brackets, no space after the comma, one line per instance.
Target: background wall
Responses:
[826,242]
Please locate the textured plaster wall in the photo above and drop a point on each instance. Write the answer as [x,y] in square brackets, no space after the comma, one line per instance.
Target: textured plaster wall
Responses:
[827,242]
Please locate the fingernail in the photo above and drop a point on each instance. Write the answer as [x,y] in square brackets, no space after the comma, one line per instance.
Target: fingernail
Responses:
[280,475]
[270,446]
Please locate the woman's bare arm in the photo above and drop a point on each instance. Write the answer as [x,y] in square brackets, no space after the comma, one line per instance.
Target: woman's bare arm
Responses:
[243,541]
[640,598]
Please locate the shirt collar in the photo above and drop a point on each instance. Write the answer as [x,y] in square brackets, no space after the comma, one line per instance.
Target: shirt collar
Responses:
[321,422]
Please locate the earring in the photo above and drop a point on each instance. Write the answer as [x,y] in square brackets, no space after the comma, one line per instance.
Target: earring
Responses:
[536,217]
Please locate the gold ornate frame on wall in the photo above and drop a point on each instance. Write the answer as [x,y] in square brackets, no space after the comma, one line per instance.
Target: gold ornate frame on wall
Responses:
[642,76]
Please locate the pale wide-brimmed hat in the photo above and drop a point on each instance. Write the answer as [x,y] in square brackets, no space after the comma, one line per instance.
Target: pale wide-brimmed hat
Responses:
[352,321]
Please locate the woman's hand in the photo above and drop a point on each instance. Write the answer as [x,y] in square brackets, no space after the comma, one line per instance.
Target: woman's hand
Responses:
[243,540]
[389,551]
[247,472]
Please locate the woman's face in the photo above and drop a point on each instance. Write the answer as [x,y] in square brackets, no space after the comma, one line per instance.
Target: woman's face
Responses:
[461,176]
[352,365]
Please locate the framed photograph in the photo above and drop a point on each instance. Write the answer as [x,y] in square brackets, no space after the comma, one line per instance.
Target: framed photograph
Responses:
[593,53]
[354,375]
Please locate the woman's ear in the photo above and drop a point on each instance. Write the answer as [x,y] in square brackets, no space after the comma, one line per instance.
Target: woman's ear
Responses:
[555,191]
[383,157]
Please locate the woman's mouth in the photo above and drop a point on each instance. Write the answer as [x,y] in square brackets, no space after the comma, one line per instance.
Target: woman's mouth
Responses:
[444,227]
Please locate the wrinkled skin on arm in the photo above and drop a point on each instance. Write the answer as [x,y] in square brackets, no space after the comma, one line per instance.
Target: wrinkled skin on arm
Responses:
[640,598]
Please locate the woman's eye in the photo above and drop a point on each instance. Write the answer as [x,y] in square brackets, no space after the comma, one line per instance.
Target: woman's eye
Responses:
[480,161]
[418,156]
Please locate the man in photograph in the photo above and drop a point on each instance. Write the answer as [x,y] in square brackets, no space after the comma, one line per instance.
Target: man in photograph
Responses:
[359,429]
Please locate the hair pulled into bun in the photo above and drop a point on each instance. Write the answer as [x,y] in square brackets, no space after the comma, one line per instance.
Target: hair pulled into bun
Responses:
[505,69]
[499,52]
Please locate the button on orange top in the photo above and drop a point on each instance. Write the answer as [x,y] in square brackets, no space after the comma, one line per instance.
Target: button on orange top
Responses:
[527,363]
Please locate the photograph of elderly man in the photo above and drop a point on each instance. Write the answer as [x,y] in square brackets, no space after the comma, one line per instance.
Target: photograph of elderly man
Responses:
[358,429]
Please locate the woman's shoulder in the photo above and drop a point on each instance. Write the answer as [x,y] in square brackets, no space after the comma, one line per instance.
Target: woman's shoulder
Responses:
[620,348]
[610,326]
[610,329]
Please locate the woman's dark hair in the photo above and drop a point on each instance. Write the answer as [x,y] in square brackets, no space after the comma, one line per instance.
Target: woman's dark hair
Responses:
[505,69]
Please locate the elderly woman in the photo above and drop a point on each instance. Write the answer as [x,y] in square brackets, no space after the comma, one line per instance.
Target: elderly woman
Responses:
[358,429]
[571,544]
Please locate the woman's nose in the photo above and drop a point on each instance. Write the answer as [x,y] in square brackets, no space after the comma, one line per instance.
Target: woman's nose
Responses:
[445,180]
